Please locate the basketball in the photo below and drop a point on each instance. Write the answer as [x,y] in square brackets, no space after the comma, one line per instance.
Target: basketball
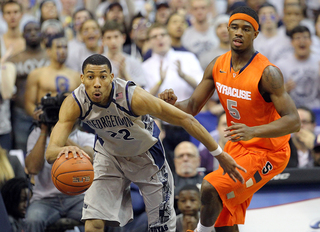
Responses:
[72,176]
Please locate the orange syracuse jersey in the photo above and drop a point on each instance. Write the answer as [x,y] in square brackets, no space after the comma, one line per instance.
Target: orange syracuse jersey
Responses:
[239,95]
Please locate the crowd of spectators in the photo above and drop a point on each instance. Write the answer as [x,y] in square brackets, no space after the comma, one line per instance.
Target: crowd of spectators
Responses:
[158,44]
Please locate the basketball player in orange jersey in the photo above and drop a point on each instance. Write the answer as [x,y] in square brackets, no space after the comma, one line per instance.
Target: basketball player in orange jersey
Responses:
[260,117]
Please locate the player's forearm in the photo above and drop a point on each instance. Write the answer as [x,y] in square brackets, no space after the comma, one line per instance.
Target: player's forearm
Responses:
[286,125]
[188,107]
[52,152]
[195,129]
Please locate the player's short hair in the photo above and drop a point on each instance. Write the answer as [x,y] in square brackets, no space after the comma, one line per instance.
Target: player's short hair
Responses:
[299,29]
[246,10]
[190,187]
[5,3]
[96,59]
[111,25]
[311,112]
[51,38]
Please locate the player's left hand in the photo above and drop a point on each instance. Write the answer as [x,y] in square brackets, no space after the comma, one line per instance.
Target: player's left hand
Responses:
[230,166]
[239,131]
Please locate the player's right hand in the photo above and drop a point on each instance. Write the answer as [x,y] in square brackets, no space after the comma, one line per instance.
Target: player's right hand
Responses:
[76,151]
[230,166]
[168,96]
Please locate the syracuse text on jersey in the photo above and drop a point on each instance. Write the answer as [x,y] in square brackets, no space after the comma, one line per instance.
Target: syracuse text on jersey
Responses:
[233,92]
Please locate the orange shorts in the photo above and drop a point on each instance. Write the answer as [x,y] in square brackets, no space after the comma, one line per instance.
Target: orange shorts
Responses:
[261,166]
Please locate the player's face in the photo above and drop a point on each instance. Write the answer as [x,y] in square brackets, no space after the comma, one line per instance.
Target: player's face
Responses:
[114,40]
[97,80]
[222,32]
[301,43]
[59,50]
[176,26]
[159,40]
[90,34]
[189,202]
[32,33]
[241,35]
[12,15]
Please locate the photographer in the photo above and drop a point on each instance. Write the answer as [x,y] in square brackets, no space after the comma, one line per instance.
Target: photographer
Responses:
[48,204]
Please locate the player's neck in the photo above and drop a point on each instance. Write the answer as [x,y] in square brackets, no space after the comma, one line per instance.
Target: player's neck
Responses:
[240,59]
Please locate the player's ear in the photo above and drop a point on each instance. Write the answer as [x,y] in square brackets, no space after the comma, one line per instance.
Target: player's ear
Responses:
[82,78]
[256,33]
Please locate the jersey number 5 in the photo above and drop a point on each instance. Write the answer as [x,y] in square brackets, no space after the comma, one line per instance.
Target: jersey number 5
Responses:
[232,109]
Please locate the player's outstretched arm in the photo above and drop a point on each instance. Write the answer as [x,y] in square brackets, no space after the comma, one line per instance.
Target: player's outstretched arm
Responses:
[69,112]
[200,96]
[144,103]
[271,84]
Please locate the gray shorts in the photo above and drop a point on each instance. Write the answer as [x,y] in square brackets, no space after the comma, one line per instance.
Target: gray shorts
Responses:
[109,197]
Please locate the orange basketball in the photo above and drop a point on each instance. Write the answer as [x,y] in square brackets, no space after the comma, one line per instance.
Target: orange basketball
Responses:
[72,176]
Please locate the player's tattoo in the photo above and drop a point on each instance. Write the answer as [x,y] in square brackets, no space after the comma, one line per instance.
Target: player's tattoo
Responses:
[272,75]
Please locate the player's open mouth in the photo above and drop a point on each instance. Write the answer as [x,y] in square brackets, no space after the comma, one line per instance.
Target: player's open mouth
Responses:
[238,42]
[97,94]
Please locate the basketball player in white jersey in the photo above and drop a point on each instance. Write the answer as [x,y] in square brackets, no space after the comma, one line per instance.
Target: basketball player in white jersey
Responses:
[127,148]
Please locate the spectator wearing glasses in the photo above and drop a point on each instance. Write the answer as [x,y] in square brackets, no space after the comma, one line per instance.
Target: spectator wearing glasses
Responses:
[302,142]
[138,37]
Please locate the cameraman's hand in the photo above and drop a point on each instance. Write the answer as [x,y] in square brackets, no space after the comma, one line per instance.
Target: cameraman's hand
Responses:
[76,151]
[36,114]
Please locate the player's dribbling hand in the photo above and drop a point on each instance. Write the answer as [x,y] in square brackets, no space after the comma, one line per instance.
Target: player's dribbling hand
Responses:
[75,152]
[230,166]
[238,132]
[168,96]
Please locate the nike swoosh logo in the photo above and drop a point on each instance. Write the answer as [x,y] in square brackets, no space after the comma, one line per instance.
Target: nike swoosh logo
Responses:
[222,71]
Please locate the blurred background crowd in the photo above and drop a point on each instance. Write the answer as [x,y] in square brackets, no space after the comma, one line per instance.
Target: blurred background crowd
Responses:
[157,44]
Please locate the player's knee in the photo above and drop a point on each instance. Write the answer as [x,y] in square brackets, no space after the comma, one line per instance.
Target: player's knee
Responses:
[94,226]
[208,193]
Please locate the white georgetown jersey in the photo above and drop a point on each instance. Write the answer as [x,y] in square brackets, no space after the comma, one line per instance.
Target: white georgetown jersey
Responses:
[119,131]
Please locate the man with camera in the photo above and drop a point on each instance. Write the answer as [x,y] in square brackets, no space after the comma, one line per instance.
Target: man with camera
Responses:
[48,204]
[55,78]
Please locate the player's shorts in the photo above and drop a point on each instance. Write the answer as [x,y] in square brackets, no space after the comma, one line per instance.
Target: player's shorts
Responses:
[261,166]
[109,197]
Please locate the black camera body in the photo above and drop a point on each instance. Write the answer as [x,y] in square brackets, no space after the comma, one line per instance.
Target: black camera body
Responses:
[50,107]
